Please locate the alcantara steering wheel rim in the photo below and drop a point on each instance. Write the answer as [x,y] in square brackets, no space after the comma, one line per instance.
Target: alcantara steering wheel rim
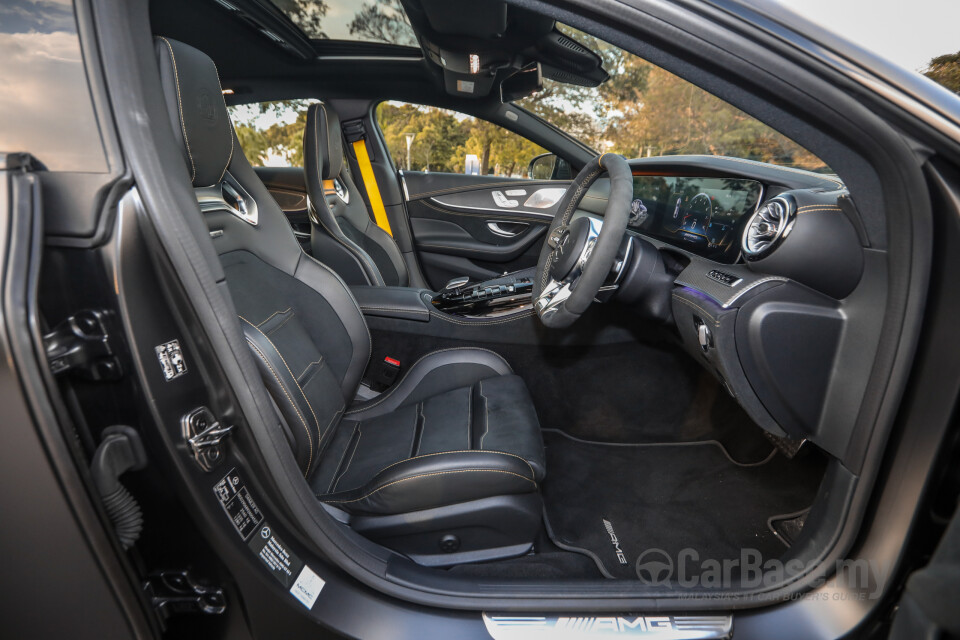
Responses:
[578,254]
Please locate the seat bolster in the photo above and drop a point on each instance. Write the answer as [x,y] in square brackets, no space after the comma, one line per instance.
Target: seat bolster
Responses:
[433,374]
[337,294]
[437,480]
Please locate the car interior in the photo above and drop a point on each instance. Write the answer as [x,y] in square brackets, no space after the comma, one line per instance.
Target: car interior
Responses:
[508,380]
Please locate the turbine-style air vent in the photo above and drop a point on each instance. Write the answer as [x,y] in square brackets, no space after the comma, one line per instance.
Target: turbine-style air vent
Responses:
[768,227]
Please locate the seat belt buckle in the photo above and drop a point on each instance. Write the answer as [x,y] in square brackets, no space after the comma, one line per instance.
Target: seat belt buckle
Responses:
[386,374]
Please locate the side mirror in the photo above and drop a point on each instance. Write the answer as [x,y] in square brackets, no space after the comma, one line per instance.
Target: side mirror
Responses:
[549,166]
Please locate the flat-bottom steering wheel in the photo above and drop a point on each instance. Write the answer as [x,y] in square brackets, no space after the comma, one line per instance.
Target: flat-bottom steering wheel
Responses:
[578,256]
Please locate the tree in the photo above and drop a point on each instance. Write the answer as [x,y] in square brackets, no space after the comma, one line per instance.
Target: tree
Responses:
[308,15]
[281,139]
[383,21]
[945,70]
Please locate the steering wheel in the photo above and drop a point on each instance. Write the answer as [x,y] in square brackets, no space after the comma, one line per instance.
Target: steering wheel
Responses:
[578,256]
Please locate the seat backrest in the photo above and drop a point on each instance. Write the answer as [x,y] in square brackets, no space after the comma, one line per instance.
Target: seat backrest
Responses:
[300,319]
[357,247]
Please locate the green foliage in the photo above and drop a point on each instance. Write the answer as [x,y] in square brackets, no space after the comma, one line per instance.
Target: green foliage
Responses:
[644,110]
[945,70]
[306,14]
[443,140]
[280,139]
[383,21]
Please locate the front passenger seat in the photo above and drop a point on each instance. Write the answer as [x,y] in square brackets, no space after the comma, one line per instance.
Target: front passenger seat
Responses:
[343,235]
[445,465]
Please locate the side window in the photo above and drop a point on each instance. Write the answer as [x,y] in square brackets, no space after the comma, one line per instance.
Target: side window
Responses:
[422,138]
[271,133]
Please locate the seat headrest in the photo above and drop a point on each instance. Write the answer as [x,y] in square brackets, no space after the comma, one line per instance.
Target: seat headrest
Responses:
[197,111]
[322,134]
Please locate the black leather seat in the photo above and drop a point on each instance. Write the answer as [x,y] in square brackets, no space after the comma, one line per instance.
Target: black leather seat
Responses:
[343,234]
[445,465]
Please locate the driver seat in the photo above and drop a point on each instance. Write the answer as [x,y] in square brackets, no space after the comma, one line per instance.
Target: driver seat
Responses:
[444,466]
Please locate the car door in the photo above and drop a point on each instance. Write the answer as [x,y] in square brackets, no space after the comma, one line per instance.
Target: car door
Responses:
[472,207]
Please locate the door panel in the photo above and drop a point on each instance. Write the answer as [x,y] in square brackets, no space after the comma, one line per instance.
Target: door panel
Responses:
[478,226]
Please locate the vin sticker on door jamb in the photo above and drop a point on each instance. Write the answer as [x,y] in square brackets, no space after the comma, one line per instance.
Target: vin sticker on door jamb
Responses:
[282,563]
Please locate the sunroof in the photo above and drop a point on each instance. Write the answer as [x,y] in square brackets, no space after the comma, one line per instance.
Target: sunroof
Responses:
[382,21]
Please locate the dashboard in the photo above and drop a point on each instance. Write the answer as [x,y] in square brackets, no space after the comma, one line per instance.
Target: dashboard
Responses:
[762,270]
[699,214]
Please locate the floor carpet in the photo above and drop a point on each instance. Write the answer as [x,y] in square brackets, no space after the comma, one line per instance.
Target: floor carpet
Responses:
[618,503]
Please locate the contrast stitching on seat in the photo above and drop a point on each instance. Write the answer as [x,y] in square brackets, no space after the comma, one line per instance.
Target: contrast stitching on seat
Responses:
[353,252]
[273,314]
[320,361]
[229,122]
[430,475]
[418,427]
[443,453]
[356,446]
[285,321]
[344,454]
[470,418]
[419,312]
[292,403]
[486,415]
[183,126]
[333,419]
[386,396]
[346,290]
[305,398]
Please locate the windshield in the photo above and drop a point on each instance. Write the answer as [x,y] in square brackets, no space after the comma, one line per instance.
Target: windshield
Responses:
[643,110]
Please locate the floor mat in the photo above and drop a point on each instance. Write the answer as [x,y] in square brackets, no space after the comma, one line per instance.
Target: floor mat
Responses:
[624,503]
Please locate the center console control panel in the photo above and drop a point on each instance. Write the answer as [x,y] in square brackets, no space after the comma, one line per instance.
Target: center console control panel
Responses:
[493,297]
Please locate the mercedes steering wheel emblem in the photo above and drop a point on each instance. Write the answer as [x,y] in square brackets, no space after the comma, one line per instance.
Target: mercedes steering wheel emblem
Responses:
[654,567]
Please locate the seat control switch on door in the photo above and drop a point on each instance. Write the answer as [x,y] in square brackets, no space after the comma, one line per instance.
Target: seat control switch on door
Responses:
[204,434]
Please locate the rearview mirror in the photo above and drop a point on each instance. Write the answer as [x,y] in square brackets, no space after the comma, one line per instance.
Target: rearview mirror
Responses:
[523,83]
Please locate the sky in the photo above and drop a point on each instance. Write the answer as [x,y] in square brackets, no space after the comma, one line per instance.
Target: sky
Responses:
[908,32]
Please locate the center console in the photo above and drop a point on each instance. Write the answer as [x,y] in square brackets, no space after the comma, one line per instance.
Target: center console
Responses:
[497,297]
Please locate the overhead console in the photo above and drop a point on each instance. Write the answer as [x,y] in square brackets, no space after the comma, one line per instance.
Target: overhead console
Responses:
[476,46]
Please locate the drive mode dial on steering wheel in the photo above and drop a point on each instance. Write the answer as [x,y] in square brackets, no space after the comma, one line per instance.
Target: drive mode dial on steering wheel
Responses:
[579,255]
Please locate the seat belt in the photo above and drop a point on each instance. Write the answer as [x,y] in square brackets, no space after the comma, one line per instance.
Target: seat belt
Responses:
[356,135]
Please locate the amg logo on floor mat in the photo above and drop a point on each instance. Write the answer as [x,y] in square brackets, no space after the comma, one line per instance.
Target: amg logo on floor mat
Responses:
[615,541]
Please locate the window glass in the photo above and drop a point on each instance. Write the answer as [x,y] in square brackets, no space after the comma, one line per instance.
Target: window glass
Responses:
[382,21]
[271,133]
[423,138]
[643,110]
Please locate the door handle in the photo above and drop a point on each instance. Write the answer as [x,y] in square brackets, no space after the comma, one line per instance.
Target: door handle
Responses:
[496,229]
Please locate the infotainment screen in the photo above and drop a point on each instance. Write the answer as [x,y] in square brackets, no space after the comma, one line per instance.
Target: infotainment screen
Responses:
[697,214]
